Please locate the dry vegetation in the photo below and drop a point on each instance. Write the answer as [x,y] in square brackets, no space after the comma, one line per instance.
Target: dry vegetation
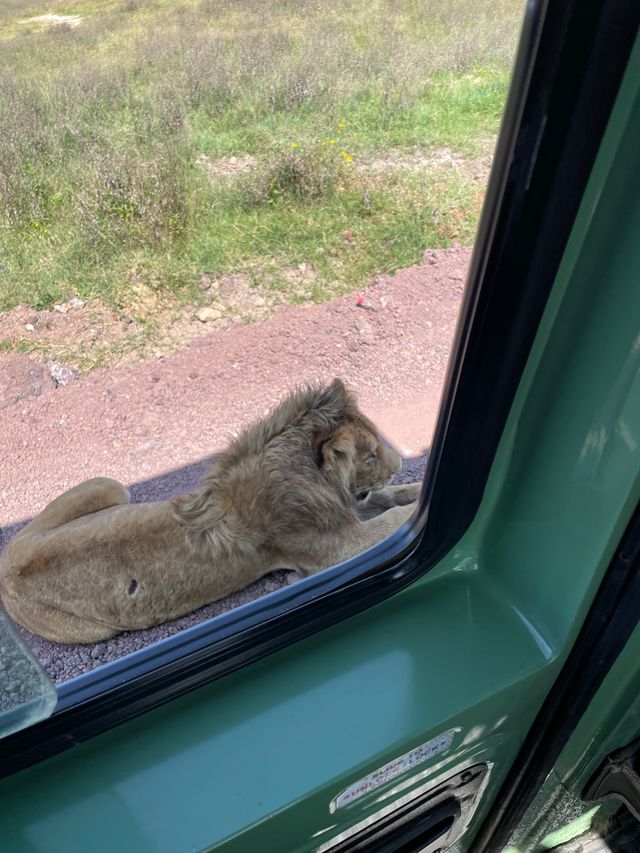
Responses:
[120,139]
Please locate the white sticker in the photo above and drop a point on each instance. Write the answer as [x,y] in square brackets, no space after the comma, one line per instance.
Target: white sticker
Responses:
[394,768]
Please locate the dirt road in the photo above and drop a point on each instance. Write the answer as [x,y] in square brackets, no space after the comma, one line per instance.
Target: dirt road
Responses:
[155,424]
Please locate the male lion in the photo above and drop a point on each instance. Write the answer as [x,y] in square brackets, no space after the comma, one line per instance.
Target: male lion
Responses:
[284,495]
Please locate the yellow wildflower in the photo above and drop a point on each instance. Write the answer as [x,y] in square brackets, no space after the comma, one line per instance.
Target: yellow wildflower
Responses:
[294,144]
[332,142]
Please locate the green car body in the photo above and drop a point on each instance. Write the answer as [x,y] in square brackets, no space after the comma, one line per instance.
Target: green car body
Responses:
[457,664]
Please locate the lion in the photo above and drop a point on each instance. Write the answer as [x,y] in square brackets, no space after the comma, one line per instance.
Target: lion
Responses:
[284,495]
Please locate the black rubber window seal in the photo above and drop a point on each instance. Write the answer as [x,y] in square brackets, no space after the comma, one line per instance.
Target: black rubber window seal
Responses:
[543,160]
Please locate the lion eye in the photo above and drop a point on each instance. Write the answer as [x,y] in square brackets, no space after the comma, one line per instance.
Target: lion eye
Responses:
[372,458]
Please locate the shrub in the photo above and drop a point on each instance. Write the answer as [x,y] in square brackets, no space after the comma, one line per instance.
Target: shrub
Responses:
[133,199]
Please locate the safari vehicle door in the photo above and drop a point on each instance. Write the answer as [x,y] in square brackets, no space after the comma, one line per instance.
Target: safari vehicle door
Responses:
[581,776]
[422,696]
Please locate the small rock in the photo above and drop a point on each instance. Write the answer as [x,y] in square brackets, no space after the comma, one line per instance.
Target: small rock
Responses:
[205,282]
[363,302]
[384,301]
[61,374]
[78,303]
[207,314]
[29,327]
[234,288]
[144,447]
[61,307]
[259,301]
[20,378]
[365,330]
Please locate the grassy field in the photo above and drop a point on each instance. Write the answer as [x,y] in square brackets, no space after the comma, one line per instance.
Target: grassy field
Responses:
[160,139]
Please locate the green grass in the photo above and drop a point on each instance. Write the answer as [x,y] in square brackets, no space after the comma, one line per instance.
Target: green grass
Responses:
[101,128]
[388,229]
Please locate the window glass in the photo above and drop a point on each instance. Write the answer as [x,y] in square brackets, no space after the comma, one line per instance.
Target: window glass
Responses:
[203,206]
[26,693]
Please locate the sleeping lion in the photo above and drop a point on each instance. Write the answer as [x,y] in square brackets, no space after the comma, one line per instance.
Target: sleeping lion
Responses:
[289,493]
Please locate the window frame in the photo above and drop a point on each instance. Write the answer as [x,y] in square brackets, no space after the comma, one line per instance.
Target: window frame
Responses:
[543,159]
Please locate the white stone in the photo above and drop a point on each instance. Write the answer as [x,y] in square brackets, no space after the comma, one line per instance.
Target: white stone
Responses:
[207,314]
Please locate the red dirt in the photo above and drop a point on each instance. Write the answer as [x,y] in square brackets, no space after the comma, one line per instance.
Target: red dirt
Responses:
[135,421]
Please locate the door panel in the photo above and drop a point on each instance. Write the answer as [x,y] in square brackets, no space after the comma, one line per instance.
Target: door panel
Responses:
[564,808]
[279,740]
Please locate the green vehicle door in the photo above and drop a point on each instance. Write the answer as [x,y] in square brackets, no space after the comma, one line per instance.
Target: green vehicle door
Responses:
[396,723]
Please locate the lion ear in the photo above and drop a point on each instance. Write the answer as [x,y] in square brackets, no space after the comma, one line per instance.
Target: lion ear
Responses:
[337,454]
[338,391]
[334,400]
[330,410]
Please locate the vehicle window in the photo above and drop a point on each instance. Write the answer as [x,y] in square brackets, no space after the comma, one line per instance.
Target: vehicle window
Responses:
[211,212]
